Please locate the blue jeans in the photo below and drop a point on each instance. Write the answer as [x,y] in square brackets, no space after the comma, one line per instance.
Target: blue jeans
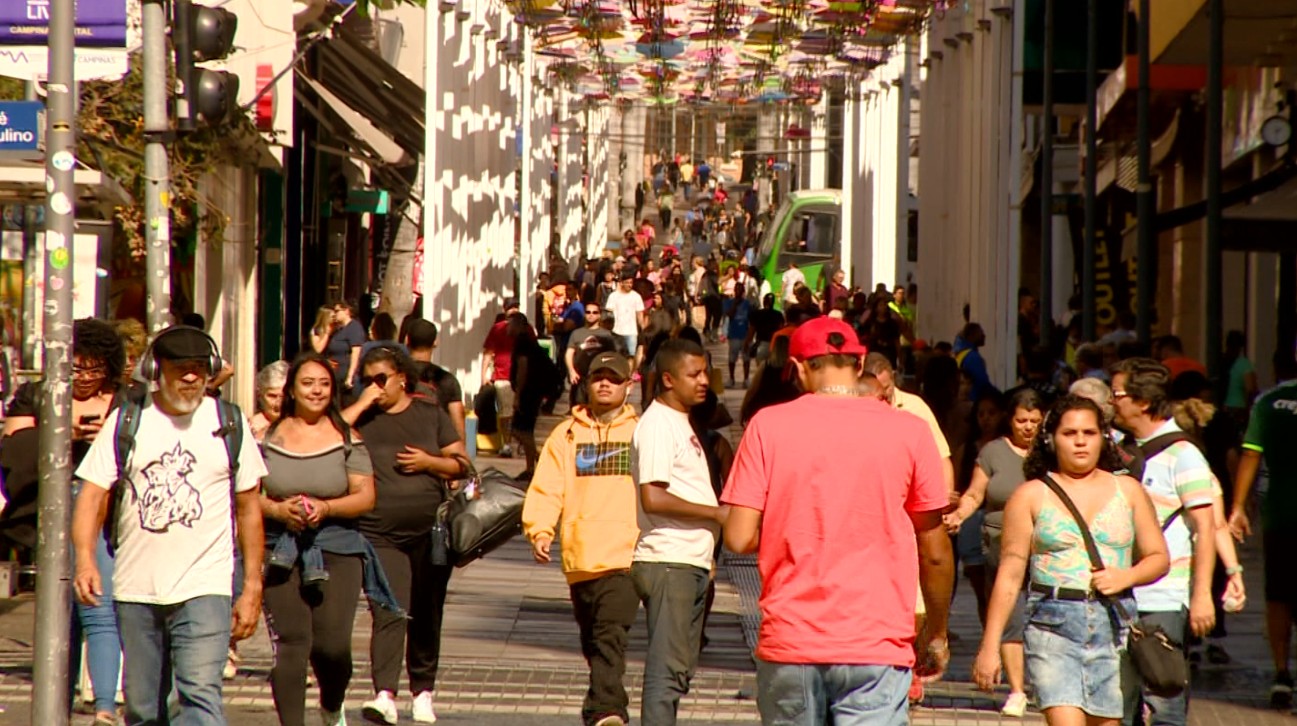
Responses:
[632,343]
[99,628]
[1146,709]
[674,597]
[186,642]
[843,695]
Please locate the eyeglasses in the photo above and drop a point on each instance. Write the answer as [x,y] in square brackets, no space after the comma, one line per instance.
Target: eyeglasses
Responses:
[592,312]
[97,371]
[379,378]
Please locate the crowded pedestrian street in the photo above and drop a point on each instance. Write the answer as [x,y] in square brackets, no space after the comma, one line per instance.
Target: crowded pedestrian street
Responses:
[513,655]
[654,362]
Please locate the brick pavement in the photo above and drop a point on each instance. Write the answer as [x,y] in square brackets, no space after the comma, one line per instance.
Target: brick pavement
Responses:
[510,654]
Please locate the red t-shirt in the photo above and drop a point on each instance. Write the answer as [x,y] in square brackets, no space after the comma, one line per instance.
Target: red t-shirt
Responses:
[501,347]
[1181,364]
[835,479]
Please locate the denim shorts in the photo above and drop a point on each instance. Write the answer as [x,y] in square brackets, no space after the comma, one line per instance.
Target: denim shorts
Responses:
[1073,657]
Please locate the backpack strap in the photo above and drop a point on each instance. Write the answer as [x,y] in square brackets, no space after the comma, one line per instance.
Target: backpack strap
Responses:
[1158,444]
[231,433]
[128,425]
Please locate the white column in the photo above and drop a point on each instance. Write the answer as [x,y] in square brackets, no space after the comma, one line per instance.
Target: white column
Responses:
[850,121]
[818,158]
[599,180]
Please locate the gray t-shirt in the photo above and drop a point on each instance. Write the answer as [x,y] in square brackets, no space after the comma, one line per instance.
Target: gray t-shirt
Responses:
[321,474]
[1003,466]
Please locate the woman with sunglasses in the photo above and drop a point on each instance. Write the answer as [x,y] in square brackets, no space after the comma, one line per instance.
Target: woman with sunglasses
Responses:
[320,481]
[416,453]
[98,362]
[1077,619]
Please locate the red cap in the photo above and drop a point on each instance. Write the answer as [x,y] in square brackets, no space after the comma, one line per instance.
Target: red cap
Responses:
[812,339]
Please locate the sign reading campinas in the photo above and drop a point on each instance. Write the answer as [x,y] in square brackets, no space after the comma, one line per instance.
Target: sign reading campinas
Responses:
[99,23]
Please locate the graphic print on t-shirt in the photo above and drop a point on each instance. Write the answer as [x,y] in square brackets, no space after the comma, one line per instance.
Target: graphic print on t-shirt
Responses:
[169,498]
[606,459]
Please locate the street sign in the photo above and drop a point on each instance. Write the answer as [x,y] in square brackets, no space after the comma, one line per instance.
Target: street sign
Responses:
[20,125]
[99,23]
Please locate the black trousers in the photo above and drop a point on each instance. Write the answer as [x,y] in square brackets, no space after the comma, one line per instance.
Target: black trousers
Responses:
[311,624]
[605,610]
[420,589]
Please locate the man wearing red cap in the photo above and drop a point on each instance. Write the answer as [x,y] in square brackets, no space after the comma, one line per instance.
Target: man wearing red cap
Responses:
[836,541]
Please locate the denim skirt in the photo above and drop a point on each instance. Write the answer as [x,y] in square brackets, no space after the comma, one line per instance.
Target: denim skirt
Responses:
[1074,654]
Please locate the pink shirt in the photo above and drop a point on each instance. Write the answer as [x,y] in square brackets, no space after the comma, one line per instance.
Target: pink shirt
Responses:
[836,479]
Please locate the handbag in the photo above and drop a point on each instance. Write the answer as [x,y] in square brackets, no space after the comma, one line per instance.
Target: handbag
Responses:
[1158,658]
[479,517]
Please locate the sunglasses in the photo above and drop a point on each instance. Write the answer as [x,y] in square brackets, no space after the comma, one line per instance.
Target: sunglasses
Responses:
[379,378]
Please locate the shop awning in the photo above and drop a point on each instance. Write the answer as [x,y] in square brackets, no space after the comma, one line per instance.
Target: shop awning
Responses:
[383,146]
[355,81]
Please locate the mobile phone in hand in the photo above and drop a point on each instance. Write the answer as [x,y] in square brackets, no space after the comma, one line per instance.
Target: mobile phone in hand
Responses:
[90,418]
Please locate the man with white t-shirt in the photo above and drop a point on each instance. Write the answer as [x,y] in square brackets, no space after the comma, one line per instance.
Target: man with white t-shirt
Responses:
[627,308]
[176,522]
[791,279]
[678,520]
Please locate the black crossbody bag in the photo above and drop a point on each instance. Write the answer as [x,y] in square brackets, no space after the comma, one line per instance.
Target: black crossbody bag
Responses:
[1158,658]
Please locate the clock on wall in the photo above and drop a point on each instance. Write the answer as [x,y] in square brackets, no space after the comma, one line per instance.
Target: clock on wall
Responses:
[1276,131]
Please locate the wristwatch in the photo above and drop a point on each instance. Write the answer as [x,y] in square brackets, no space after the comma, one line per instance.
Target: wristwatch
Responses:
[1232,571]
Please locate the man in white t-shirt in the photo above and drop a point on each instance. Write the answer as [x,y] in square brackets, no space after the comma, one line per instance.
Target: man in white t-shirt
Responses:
[627,308]
[173,582]
[678,520]
[791,279]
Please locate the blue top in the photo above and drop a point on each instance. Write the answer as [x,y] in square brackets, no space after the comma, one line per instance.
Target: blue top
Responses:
[740,312]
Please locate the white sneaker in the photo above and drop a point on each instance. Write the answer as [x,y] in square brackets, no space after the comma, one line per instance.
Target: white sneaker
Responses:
[1015,706]
[333,718]
[380,710]
[422,710]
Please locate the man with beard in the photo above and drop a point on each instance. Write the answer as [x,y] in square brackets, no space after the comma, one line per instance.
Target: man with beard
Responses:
[173,529]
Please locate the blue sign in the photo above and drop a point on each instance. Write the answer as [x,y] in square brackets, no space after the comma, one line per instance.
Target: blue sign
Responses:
[100,23]
[20,125]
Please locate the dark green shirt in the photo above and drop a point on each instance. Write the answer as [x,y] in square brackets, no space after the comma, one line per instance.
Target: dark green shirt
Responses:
[1272,431]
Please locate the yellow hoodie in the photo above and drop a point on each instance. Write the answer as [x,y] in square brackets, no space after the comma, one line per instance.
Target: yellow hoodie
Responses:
[584,478]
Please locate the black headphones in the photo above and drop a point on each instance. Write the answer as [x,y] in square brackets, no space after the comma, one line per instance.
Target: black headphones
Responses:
[150,369]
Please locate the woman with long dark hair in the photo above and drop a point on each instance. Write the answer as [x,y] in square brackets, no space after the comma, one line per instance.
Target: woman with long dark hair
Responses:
[416,454]
[1074,639]
[98,363]
[321,480]
[996,477]
[986,426]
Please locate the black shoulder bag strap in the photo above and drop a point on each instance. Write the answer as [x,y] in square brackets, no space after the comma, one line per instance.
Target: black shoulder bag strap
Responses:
[1092,549]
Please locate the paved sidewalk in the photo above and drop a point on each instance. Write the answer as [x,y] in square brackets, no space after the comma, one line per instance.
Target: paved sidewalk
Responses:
[511,656]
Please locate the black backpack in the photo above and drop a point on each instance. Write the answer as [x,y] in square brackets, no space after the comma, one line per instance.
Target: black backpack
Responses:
[128,425]
[1134,456]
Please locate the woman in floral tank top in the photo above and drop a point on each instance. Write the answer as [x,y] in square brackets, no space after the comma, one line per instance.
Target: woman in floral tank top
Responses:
[1073,639]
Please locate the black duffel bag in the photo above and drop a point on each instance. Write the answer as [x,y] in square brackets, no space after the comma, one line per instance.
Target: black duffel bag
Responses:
[484,512]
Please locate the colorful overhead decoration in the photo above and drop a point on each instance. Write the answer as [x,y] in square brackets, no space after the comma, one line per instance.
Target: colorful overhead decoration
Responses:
[715,51]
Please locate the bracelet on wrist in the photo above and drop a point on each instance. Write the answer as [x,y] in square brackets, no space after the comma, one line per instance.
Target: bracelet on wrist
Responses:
[1235,570]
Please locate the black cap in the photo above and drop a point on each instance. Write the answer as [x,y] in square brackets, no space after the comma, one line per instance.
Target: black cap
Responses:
[612,361]
[511,303]
[181,342]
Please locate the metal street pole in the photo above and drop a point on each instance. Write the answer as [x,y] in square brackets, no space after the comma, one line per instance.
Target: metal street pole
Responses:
[1211,258]
[1146,244]
[157,191]
[1047,185]
[1091,170]
[53,594]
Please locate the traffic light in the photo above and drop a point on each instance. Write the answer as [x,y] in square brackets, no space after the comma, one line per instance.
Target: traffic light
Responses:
[201,33]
